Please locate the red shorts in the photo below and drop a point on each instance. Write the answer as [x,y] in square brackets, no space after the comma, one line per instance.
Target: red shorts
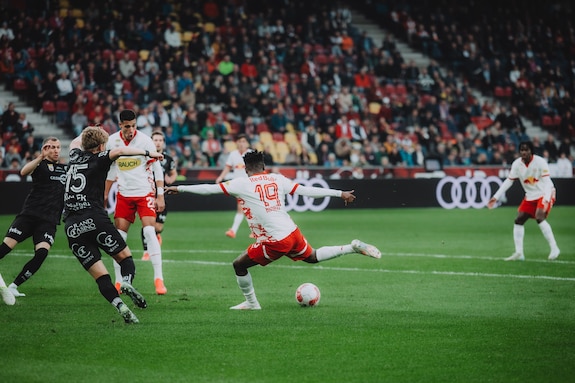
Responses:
[294,246]
[530,207]
[127,207]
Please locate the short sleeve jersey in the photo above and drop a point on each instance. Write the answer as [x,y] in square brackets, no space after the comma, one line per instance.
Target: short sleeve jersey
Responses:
[134,173]
[46,199]
[236,162]
[86,181]
[531,175]
[262,198]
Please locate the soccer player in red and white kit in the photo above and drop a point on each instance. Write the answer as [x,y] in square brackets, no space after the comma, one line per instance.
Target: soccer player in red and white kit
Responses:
[262,197]
[140,190]
[236,167]
[533,173]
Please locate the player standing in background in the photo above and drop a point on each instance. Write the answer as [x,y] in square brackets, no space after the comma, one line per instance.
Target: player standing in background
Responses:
[140,190]
[170,174]
[533,173]
[262,199]
[88,226]
[41,212]
[235,165]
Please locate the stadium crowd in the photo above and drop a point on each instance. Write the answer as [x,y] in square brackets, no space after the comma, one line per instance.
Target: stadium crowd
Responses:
[306,85]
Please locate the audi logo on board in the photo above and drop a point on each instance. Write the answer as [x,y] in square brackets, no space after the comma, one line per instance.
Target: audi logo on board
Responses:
[301,203]
[465,192]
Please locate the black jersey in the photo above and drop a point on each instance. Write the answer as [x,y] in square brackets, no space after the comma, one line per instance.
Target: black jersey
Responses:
[85,181]
[46,199]
[168,163]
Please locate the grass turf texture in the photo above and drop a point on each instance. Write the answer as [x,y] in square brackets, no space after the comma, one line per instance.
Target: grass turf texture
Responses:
[440,306]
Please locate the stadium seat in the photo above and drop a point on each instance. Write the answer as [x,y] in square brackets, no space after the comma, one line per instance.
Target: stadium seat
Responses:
[76,13]
[106,54]
[481,122]
[20,85]
[557,120]
[389,89]
[119,54]
[262,127]
[49,108]
[209,27]
[401,90]
[277,136]
[144,54]
[133,55]
[499,92]
[80,23]
[230,146]
[374,108]
[547,121]
[266,137]
[281,152]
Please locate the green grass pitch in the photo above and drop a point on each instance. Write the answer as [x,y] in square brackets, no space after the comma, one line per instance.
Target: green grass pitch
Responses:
[440,306]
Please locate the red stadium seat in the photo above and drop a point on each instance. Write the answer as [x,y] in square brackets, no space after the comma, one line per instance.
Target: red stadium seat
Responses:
[262,127]
[547,121]
[20,85]
[499,92]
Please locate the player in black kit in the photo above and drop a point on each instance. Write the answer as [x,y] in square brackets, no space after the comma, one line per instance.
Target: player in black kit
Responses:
[170,174]
[41,211]
[88,226]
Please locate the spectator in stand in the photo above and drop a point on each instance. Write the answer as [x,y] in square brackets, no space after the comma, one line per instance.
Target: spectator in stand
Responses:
[551,147]
[279,119]
[211,147]
[10,118]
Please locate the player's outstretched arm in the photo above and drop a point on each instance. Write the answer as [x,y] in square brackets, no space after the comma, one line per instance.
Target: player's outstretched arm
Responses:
[204,189]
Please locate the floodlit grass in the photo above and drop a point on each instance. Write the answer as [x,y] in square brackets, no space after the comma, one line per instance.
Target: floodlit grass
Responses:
[440,306]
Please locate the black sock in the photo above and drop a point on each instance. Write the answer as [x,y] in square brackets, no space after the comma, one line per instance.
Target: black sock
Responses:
[128,269]
[107,288]
[32,266]
[144,242]
[4,249]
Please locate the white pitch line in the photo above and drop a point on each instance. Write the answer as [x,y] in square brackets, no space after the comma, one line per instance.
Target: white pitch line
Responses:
[355,269]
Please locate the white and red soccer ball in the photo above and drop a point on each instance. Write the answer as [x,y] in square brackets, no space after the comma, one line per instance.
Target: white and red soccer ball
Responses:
[307,295]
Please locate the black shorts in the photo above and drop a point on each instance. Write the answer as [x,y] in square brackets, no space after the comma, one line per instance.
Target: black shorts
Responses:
[161,217]
[88,233]
[26,226]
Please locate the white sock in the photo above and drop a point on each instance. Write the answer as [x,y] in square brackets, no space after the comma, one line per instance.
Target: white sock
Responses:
[155,251]
[247,286]
[548,234]
[2,283]
[238,218]
[518,234]
[329,252]
[117,268]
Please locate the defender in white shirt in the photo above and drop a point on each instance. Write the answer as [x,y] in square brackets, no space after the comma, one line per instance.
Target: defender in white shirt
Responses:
[140,190]
[533,173]
[262,198]
[234,168]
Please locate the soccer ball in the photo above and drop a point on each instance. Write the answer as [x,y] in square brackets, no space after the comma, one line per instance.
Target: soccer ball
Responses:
[307,295]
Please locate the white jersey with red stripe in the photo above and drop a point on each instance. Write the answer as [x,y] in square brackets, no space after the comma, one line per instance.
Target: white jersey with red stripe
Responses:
[134,174]
[534,177]
[236,164]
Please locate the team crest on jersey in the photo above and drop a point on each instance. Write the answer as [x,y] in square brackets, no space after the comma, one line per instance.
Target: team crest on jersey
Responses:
[530,180]
[51,167]
[128,163]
